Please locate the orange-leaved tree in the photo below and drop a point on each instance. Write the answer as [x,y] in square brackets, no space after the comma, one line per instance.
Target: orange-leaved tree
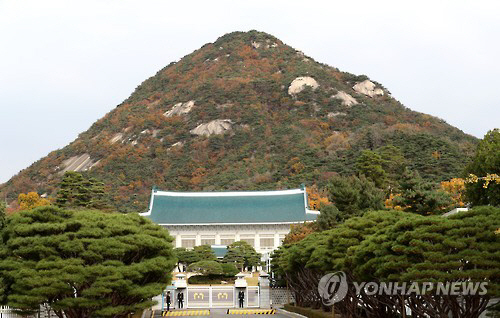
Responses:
[31,200]
[456,189]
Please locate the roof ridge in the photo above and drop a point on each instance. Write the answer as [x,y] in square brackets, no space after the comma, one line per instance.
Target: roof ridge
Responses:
[227,193]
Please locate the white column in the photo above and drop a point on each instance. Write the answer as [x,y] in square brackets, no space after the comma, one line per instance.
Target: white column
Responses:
[257,242]
[198,239]
[237,237]
[276,240]
[178,242]
[217,238]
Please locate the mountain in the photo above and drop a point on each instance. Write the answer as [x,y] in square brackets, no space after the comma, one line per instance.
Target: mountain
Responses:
[245,112]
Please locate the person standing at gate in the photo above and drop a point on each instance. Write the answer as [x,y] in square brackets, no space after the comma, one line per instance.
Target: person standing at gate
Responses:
[168,301]
[180,299]
[241,297]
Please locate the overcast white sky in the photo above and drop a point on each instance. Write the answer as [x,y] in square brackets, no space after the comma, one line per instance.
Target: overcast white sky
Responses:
[64,64]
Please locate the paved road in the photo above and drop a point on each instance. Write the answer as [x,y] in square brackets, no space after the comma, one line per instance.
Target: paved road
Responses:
[222,313]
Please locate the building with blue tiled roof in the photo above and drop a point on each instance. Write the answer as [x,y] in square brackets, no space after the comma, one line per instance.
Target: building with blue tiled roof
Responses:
[261,218]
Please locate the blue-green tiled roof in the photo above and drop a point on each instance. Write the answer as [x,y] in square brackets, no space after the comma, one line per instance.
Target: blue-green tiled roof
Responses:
[229,207]
[219,250]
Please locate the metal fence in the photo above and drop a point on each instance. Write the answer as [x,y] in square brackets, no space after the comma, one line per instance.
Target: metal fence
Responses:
[281,296]
[7,312]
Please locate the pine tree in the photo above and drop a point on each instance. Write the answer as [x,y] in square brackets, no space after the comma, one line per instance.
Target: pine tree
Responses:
[370,165]
[76,191]
[420,196]
[242,254]
[84,263]
[353,195]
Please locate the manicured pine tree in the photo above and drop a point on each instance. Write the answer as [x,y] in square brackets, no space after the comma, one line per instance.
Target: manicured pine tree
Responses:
[242,254]
[461,248]
[84,263]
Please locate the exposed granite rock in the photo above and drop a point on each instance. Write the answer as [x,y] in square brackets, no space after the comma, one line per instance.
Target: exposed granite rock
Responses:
[180,109]
[214,127]
[367,88]
[300,83]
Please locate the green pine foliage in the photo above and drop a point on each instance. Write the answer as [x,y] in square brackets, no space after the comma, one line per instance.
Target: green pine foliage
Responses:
[461,248]
[229,270]
[206,268]
[77,191]
[185,256]
[354,195]
[242,255]
[420,196]
[84,263]
[394,246]
[205,252]
[370,165]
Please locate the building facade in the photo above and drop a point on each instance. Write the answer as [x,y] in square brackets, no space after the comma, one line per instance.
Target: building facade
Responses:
[260,218]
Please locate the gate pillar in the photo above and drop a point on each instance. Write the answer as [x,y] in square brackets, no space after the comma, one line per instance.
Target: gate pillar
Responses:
[264,295]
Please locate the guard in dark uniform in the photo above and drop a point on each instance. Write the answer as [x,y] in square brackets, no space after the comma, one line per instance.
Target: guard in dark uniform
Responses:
[168,301]
[241,298]
[180,299]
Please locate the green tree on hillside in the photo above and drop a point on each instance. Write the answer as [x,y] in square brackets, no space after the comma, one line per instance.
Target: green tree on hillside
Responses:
[77,191]
[352,195]
[84,263]
[486,162]
[329,217]
[370,165]
[420,196]
[393,162]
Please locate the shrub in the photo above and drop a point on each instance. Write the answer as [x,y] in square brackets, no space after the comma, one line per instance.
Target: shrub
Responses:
[308,312]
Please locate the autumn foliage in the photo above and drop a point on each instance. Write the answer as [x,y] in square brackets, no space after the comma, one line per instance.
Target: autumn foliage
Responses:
[31,200]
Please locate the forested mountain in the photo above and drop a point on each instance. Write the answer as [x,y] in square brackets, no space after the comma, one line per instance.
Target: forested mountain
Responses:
[246,112]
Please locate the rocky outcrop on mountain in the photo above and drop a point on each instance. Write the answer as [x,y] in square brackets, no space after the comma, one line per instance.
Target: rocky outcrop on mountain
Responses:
[347,100]
[180,109]
[78,163]
[335,114]
[116,137]
[215,127]
[300,83]
[367,88]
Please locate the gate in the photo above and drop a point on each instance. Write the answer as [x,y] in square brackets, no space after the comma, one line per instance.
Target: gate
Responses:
[198,297]
[222,297]
[213,297]
[252,296]
[210,297]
